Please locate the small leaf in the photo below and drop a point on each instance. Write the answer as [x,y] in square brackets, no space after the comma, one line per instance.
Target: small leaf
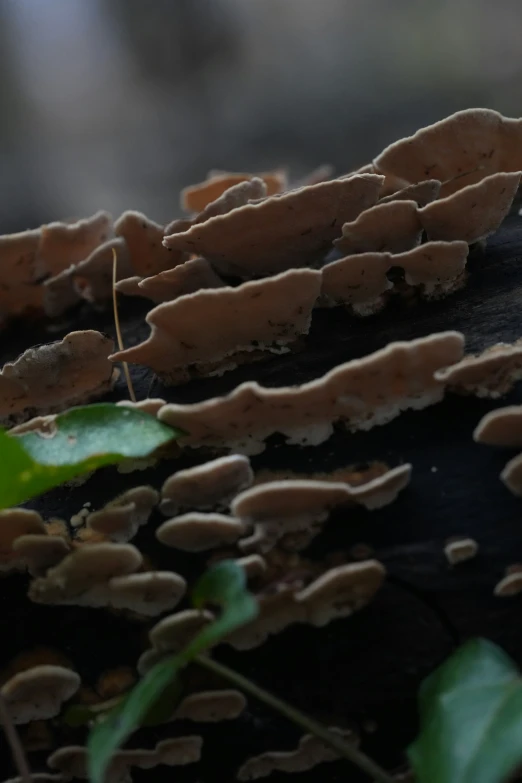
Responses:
[79,440]
[107,736]
[471,718]
[224,585]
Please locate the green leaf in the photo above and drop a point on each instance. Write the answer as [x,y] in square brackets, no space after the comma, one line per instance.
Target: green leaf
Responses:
[471,718]
[224,585]
[80,440]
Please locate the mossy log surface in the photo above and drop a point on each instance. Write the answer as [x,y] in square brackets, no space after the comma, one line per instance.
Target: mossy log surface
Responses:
[364,670]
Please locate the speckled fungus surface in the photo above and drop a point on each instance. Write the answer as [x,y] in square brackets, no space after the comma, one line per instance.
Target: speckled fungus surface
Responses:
[278,233]
[393,227]
[53,377]
[120,519]
[360,394]
[491,373]
[460,150]
[265,314]
[194,275]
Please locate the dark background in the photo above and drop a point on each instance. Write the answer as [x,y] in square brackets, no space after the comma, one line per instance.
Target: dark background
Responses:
[117,104]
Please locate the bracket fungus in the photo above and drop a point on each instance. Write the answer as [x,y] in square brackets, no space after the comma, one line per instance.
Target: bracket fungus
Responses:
[40,552]
[392,227]
[177,630]
[361,393]
[105,575]
[421,193]
[38,693]
[207,486]
[264,314]
[19,277]
[337,593]
[196,197]
[278,233]
[64,244]
[503,427]
[459,150]
[310,752]
[458,550]
[472,213]
[280,507]
[211,706]
[511,583]
[362,283]
[120,519]
[89,280]
[196,274]
[71,761]
[144,237]
[54,376]
[197,531]
[15,523]
[491,373]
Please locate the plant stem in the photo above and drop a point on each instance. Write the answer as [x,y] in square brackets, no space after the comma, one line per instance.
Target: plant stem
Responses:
[117,324]
[14,742]
[347,751]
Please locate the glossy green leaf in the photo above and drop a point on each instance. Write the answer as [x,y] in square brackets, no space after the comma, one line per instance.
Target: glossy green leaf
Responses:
[471,718]
[78,441]
[223,585]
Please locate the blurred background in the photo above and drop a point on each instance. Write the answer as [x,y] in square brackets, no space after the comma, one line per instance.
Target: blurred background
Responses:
[117,104]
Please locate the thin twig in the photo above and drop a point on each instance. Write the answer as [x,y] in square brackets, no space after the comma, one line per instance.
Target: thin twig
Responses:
[13,739]
[117,323]
[347,751]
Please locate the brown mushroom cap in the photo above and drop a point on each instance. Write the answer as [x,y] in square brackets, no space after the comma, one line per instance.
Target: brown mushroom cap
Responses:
[18,273]
[143,238]
[512,475]
[509,585]
[147,594]
[459,150]
[472,213]
[40,552]
[197,531]
[58,375]
[232,198]
[211,706]
[206,486]
[196,197]
[281,232]
[120,519]
[361,393]
[14,523]
[174,632]
[491,373]
[38,693]
[75,579]
[63,244]
[341,591]
[502,427]
[310,752]
[276,508]
[72,761]
[460,550]
[357,280]
[251,316]
[422,193]
[392,227]
[194,275]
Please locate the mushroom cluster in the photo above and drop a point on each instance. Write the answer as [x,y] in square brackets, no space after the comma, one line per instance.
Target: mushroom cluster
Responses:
[245,274]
